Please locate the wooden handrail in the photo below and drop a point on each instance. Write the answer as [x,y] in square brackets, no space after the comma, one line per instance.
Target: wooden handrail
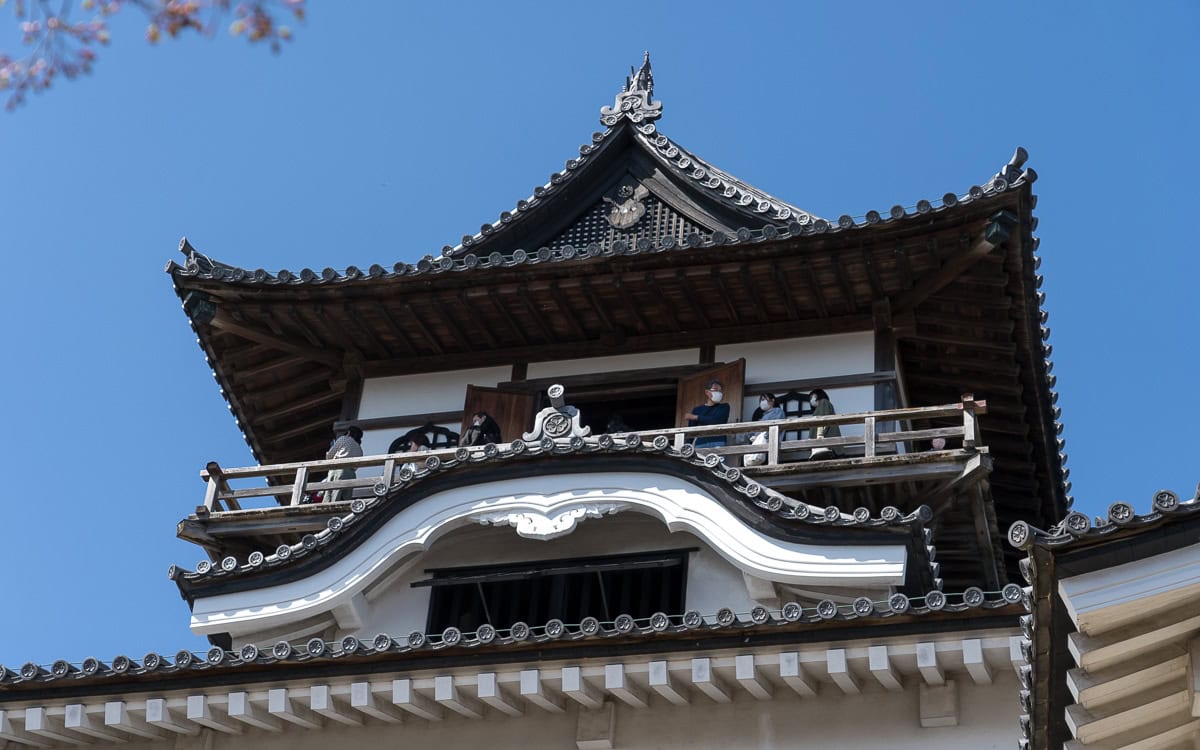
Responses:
[219,496]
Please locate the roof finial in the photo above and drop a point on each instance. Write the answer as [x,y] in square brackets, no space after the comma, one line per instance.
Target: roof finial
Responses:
[634,101]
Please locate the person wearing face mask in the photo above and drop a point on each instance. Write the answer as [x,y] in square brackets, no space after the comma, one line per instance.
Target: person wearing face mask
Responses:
[768,409]
[483,430]
[712,411]
[822,407]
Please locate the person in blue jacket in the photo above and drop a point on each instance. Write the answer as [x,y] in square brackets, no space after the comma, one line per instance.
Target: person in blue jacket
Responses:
[712,411]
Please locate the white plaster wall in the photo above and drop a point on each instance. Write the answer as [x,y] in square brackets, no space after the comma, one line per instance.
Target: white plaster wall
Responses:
[424,392]
[614,364]
[874,720]
[800,359]
[396,607]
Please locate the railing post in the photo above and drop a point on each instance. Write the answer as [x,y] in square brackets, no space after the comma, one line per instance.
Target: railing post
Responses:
[679,441]
[299,485]
[869,437]
[773,445]
[212,500]
[970,422]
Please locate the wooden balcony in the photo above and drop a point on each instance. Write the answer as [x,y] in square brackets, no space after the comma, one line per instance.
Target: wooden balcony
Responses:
[902,457]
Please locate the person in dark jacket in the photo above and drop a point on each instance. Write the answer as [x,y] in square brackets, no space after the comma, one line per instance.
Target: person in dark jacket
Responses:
[713,411]
[823,407]
[483,430]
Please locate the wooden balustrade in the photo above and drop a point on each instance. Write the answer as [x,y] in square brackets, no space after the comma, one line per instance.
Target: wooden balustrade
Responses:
[293,480]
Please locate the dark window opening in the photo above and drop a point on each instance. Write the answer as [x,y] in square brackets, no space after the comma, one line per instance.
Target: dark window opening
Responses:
[569,590]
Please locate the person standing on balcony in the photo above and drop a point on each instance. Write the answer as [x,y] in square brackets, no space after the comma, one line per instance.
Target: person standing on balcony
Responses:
[346,445]
[822,407]
[712,412]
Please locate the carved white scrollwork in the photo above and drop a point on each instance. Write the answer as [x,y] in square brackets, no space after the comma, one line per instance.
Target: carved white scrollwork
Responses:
[534,524]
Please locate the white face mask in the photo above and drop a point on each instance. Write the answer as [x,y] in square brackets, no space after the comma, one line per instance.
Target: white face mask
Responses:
[813,401]
[716,396]
[764,404]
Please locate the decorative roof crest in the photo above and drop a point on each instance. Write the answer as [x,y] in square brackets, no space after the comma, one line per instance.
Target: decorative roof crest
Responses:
[558,420]
[634,101]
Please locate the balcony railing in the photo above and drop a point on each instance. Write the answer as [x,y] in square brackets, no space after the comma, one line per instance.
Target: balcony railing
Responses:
[883,433]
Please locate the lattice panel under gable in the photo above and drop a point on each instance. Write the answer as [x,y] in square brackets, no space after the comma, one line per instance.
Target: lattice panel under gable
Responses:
[660,221]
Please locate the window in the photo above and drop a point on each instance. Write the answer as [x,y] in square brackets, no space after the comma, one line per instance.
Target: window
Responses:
[569,590]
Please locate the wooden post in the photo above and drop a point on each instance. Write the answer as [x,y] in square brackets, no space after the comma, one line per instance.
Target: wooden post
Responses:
[970,422]
[869,437]
[211,502]
[298,487]
[773,445]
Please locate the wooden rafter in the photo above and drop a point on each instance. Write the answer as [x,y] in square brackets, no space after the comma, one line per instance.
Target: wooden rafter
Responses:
[428,334]
[502,310]
[224,320]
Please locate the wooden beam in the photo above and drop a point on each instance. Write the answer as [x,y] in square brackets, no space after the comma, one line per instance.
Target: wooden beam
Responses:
[428,334]
[539,318]
[667,304]
[446,693]
[13,733]
[491,693]
[534,691]
[928,664]
[480,321]
[159,715]
[839,671]
[747,673]
[794,676]
[753,296]
[814,286]
[201,712]
[950,270]
[280,704]
[707,681]
[243,710]
[245,373]
[662,683]
[394,328]
[617,683]
[579,689]
[76,719]
[321,701]
[502,310]
[567,312]
[597,306]
[785,294]
[726,300]
[626,298]
[223,320]
[630,345]
[688,294]
[362,699]
[880,664]
[117,716]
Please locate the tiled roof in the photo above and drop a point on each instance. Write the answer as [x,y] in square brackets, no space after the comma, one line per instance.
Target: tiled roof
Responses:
[791,615]
[1077,529]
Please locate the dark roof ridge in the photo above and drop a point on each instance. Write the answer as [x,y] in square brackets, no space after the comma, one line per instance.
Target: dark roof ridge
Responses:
[198,265]
[1076,529]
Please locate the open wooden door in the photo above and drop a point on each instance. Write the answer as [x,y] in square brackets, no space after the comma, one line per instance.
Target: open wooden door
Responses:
[512,411]
[690,392]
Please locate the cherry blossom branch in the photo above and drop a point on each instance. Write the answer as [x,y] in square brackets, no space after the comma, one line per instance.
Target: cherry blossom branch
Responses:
[55,45]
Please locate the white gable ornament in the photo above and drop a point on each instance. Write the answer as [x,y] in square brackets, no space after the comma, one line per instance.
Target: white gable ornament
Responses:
[557,421]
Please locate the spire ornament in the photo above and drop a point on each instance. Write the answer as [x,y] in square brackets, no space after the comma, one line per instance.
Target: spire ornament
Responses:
[635,100]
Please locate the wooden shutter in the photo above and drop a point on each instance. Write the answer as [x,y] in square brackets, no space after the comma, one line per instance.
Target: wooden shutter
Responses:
[512,411]
[690,392]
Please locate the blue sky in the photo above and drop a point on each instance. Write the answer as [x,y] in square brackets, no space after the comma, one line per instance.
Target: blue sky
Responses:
[384,132]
